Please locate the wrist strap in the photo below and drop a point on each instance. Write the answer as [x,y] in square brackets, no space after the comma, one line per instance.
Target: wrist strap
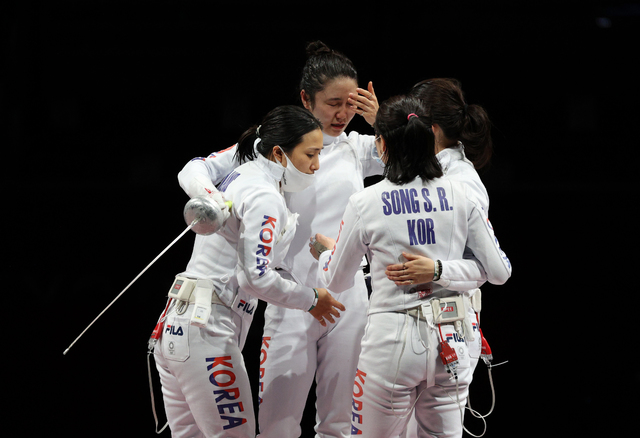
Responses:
[315,300]
[437,270]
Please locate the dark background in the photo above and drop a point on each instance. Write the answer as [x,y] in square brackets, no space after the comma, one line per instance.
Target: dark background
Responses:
[103,102]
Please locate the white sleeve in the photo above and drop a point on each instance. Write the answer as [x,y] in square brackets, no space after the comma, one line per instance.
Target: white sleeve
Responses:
[262,219]
[462,275]
[200,175]
[337,267]
[486,248]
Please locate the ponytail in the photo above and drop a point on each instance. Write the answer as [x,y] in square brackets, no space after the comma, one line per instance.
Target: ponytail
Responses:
[406,130]
[469,124]
[283,126]
[476,136]
[245,150]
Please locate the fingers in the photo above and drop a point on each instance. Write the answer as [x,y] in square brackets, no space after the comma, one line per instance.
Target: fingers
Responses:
[410,256]
[365,102]
[328,310]
[370,89]
[401,274]
[397,267]
[333,311]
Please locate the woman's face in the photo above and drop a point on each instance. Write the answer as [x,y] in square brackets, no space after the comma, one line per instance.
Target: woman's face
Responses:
[305,156]
[331,105]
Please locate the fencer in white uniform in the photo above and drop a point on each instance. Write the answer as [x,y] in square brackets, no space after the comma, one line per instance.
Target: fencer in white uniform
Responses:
[293,341]
[456,167]
[295,349]
[205,386]
[454,121]
[403,341]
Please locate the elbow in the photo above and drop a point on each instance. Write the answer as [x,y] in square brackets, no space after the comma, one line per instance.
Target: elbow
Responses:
[501,278]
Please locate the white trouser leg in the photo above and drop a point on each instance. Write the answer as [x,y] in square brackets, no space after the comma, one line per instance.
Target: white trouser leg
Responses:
[395,368]
[338,354]
[287,367]
[205,385]
[296,347]
[412,428]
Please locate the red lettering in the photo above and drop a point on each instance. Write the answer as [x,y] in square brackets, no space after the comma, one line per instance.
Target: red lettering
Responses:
[359,376]
[263,250]
[219,361]
[230,394]
[214,378]
[231,407]
[271,221]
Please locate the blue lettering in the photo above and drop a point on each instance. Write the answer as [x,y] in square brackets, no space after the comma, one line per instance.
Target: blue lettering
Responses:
[231,407]
[430,233]
[263,249]
[411,225]
[421,232]
[172,330]
[387,207]
[408,202]
[395,202]
[444,204]
[261,264]
[233,422]
[427,202]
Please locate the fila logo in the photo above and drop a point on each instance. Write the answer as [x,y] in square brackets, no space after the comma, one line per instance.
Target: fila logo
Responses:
[173,330]
[454,337]
[246,307]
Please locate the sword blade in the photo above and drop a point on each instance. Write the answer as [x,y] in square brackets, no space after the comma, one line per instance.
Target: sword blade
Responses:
[195,221]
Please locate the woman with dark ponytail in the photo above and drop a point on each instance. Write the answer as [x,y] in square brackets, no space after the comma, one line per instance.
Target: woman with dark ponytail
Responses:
[414,357]
[457,121]
[199,357]
[463,142]
[297,350]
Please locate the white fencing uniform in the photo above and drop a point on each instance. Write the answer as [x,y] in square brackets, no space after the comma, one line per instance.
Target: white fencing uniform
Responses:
[400,349]
[204,382]
[457,167]
[295,347]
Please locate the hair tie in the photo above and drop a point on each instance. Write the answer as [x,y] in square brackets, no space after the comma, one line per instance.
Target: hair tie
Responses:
[258,131]
[412,115]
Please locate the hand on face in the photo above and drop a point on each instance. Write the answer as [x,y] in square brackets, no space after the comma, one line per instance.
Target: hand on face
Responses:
[365,103]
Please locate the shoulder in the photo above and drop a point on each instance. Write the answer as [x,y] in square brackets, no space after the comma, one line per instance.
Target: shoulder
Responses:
[251,181]
[356,138]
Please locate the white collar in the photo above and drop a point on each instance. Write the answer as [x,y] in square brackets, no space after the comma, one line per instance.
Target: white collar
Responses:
[328,141]
[271,168]
[447,155]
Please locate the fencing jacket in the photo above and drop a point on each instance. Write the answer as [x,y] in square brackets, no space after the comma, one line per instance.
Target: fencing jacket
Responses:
[437,219]
[240,258]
